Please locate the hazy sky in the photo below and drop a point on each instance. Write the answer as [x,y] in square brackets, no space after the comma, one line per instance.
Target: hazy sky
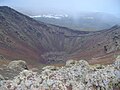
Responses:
[64,6]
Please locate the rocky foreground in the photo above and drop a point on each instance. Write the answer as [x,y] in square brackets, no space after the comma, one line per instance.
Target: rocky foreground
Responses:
[75,75]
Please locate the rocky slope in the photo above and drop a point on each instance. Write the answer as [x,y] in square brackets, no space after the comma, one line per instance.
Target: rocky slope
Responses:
[22,37]
[75,75]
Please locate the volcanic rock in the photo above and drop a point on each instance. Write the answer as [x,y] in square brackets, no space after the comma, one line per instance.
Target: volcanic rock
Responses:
[78,76]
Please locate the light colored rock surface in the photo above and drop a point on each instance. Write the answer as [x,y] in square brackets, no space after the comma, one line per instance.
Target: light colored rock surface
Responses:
[1,77]
[117,63]
[19,64]
[70,62]
[76,75]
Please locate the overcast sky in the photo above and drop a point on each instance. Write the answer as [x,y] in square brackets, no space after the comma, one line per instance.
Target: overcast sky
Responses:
[36,7]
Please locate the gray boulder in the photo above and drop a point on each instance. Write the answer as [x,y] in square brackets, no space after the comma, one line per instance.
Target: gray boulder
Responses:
[70,62]
[19,64]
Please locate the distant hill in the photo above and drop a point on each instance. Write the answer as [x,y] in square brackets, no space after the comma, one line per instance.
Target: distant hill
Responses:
[84,21]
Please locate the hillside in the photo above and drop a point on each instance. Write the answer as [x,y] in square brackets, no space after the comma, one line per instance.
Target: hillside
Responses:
[22,37]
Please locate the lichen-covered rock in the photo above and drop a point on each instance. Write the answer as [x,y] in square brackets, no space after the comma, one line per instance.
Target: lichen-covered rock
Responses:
[75,75]
[19,64]
[116,64]
[1,77]
[53,68]
[101,78]
[3,88]
[70,62]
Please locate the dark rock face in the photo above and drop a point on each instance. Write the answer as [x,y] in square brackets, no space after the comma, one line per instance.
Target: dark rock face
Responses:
[24,38]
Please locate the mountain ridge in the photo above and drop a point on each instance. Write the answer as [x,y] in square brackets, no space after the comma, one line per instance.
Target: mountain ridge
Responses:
[82,21]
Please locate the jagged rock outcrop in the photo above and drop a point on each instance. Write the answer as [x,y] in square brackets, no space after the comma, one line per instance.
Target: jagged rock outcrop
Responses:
[75,75]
